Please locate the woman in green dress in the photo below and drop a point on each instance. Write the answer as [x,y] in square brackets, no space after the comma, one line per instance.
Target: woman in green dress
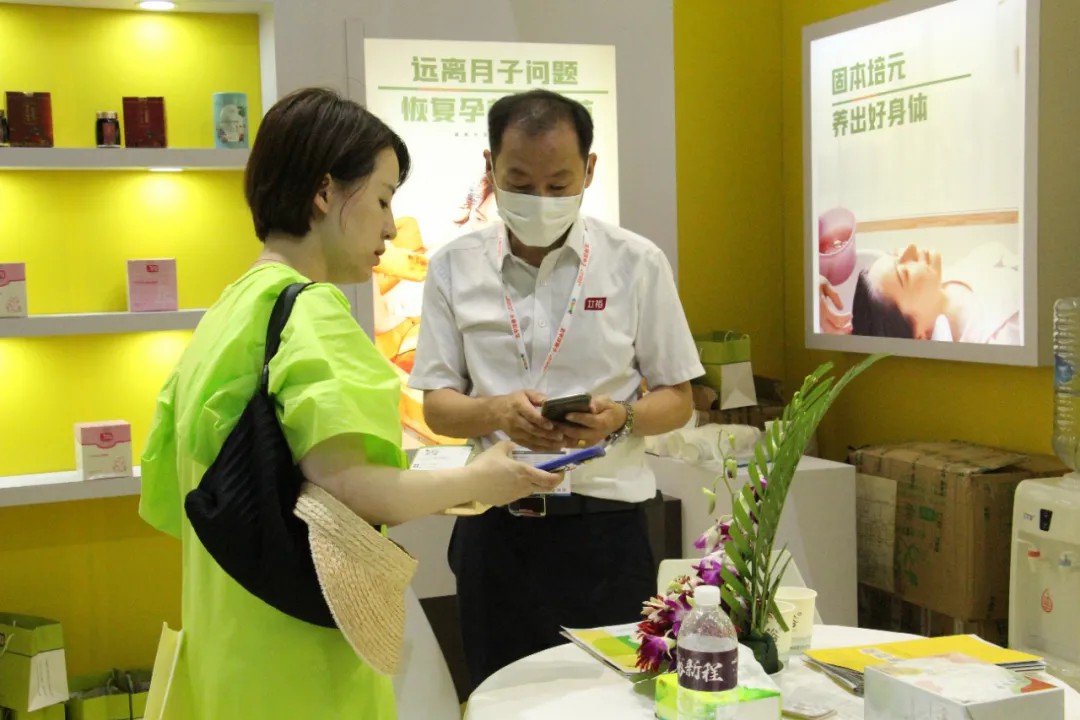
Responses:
[319,183]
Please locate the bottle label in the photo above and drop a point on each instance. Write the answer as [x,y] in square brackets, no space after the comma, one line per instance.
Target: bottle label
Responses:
[1063,371]
[708,671]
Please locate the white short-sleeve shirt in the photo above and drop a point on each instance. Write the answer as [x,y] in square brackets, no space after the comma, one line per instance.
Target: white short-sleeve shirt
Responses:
[628,325]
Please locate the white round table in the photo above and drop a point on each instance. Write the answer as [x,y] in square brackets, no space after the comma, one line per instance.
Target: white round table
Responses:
[565,683]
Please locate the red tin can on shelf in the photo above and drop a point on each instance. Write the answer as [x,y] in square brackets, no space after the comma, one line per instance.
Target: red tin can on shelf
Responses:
[144,122]
[30,119]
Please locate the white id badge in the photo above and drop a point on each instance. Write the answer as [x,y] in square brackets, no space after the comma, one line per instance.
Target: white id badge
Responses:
[441,457]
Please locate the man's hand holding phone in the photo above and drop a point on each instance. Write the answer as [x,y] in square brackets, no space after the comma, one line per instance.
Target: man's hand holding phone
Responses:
[585,429]
[518,415]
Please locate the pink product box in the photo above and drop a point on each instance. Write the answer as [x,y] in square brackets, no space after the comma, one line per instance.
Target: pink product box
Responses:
[12,290]
[152,285]
[103,449]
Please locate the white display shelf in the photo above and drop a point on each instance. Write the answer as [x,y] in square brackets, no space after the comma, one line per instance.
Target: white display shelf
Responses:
[99,323]
[44,488]
[22,158]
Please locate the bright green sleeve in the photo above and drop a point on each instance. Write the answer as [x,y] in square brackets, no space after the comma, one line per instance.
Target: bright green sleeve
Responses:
[159,500]
[329,380]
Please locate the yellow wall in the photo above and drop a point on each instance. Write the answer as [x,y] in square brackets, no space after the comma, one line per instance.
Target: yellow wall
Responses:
[728,170]
[96,566]
[900,398]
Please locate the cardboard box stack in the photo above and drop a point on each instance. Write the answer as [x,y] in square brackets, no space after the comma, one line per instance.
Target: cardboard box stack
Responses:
[934,523]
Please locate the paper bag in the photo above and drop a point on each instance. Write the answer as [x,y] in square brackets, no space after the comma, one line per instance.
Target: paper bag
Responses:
[53,712]
[33,669]
[726,357]
[163,702]
[98,697]
[136,683]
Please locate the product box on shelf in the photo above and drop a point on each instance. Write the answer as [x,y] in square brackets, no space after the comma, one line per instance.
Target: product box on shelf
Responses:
[144,122]
[12,290]
[935,523]
[29,119]
[103,449]
[230,120]
[152,285]
[957,687]
[33,668]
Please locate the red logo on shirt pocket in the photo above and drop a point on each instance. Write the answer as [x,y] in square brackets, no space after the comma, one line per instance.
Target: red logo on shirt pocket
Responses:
[595,303]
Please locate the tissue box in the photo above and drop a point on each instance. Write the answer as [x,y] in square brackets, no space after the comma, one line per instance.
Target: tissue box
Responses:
[957,687]
[12,290]
[97,697]
[754,703]
[152,285]
[103,449]
[759,696]
[33,669]
[53,712]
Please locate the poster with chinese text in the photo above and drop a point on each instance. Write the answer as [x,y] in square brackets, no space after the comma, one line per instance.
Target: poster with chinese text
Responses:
[436,95]
[917,148]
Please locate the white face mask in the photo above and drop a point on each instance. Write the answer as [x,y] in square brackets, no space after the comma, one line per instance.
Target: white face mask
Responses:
[537,221]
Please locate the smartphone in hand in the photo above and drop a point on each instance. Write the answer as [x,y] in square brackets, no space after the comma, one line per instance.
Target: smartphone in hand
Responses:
[572,458]
[556,409]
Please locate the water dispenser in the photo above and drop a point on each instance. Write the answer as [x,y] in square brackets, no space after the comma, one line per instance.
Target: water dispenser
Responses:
[1044,595]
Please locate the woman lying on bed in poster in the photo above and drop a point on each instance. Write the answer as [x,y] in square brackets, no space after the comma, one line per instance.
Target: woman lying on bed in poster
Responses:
[910,295]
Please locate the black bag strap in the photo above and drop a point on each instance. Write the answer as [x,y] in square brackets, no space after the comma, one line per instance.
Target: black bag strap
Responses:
[278,317]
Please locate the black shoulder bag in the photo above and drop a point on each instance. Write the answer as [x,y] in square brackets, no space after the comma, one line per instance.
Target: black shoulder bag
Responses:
[242,510]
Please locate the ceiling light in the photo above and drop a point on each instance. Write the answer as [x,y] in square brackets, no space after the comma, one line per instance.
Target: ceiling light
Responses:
[157,5]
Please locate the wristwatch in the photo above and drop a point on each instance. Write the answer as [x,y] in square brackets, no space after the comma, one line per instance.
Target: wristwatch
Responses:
[628,426]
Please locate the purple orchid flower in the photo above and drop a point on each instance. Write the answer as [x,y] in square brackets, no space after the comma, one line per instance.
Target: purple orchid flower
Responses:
[715,537]
[655,650]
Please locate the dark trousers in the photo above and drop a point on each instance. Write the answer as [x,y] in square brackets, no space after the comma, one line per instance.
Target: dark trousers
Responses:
[520,579]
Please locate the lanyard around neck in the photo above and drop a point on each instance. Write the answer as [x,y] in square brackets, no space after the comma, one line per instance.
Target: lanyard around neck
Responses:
[568,315]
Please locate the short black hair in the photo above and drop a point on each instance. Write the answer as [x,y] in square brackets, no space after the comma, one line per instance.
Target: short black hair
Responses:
[307,135]
[536,112]
[874,314]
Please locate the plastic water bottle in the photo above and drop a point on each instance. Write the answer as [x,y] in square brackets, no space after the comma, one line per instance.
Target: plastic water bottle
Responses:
[1067,381]
[708,654]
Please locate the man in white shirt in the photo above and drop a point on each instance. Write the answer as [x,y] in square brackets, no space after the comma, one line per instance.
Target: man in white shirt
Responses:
[547,304]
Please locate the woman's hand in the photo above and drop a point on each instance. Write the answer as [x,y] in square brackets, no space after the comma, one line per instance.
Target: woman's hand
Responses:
[833,322]
[500,479]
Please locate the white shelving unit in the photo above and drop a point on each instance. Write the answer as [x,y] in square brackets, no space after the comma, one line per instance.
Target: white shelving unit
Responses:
[99,323]
[21,158]
[66,486]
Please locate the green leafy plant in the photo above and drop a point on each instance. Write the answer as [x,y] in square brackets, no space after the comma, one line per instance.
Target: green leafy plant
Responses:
[753,573]
[738,548]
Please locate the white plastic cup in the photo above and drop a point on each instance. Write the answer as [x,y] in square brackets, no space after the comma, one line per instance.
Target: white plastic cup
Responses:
[802,622]
[782,638]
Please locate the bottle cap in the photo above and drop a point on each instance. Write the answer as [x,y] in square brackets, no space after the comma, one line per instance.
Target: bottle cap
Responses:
[706,596]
